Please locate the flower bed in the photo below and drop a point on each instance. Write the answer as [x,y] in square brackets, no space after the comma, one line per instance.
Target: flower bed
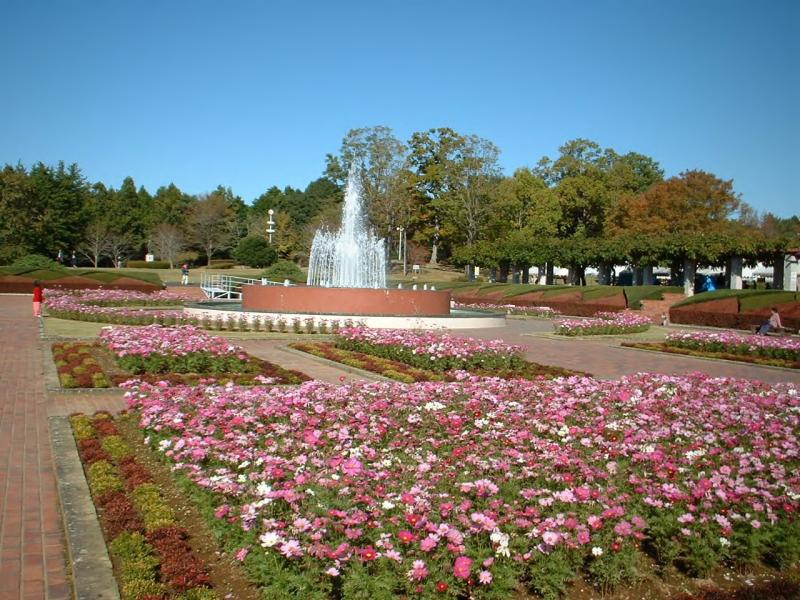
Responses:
[431,350]
[472,487]
[152,557]
[77,367]
[604,323]
[735,343]
[400,371]
[91,365]
[392,369]
[113,306]
[186,349]
[753,359]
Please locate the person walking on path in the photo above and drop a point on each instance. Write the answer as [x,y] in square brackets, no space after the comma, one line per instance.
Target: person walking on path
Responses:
[185,274]
[38,298]
[74,260]
[773,324]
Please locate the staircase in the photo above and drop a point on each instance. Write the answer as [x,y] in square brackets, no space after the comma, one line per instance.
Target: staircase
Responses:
[655,308]
[229,287]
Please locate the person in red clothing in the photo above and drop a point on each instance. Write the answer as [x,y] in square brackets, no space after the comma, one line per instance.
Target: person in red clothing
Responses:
[38,297]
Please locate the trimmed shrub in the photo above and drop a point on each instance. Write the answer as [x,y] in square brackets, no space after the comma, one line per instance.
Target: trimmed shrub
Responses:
[284,269]
[143,264]
[152,507]
[37,261]
[255,251]
[103,478]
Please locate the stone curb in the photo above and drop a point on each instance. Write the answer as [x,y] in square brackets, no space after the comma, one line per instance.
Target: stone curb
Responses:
[368,375]
[92,574]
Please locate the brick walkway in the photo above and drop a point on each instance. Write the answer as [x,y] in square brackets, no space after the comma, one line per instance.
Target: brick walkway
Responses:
[32,556]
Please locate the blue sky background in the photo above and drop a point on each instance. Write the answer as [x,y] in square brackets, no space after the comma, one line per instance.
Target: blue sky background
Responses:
[254,94]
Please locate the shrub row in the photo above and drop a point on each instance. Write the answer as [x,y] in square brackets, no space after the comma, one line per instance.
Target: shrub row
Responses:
[400,371]
[689,315]
[150,551]
[143,264]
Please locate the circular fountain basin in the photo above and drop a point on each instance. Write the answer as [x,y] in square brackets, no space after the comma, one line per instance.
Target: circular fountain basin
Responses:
[457,319]
[314,300]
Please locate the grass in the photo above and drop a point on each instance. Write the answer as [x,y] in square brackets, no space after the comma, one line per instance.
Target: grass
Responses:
[101,275]
[749,298]
[767,300]
[636,293]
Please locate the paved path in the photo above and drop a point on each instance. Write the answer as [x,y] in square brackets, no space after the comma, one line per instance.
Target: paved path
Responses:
[604,358]
[32,563]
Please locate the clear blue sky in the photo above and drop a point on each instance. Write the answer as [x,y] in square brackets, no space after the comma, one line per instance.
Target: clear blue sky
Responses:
[254,94]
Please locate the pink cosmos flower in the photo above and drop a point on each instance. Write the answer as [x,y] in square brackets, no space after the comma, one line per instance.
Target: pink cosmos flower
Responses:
[419,571]
[352,467]
[462,567]
[485,577]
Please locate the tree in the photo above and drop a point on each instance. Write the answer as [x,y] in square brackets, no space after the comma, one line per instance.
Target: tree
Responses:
[128,213]
[95,244]
[454,174]
[167,241]
[255,251]
[695,201]
[62,194]
[210,223]
[170,206]
[21,209]
[378,158]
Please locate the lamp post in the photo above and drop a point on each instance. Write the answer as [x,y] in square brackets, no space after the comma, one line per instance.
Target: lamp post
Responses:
[400,231]
[270,225]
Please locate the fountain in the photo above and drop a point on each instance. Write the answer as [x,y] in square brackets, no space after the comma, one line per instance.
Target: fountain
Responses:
[347,281]
[351,257]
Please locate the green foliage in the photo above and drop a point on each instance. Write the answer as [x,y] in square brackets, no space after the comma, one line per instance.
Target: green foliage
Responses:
[255,251]
[103,478]
[137,589]
[199,593]
[282,270]
[82,427]
[116,447]
[37,261]
[362,583]
[614,568]
[143,264]
[550,574]
[752,299]
[154,510]
[193,362]
[783,548]
[636,293]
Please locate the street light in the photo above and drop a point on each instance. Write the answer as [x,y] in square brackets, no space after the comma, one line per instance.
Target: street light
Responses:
[400,243]
[402,248]
[270,225]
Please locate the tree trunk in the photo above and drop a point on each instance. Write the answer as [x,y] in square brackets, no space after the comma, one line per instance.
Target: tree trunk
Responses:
[434,252]
[503,276]
[526,275]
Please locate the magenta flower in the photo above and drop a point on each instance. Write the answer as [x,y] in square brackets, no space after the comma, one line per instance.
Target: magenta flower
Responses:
[462,567]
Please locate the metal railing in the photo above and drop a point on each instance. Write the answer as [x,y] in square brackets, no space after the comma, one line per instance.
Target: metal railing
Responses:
[229,287]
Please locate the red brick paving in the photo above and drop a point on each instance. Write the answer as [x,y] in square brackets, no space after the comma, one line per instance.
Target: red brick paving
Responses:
[32,554]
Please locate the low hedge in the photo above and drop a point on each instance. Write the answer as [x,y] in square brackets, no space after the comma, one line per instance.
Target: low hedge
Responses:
[685,316]
[143,264]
